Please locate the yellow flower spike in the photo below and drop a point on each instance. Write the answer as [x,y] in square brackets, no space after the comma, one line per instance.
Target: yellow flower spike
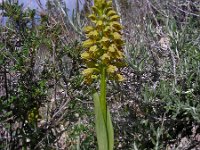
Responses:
[104,40]
[88,43]
[111,69]
[85,55]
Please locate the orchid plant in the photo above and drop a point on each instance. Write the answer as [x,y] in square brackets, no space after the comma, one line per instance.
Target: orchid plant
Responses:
[103,57]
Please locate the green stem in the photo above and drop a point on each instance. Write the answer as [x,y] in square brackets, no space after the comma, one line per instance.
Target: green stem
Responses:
[103,94]
[103,100]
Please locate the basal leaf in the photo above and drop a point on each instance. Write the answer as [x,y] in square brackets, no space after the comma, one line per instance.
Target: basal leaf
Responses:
[102,138]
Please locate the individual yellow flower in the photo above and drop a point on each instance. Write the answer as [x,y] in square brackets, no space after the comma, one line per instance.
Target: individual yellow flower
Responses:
[99,3]
[117,36]
[111,69]
[99,23]
[93,49]
[105,57]
[88,29]
[107,29]
[88,71]
[91,63]
[116,25]
[111,13]
[114,18]
[106,10]
[105,39]
[120,55]
[112,48]
[93,76]
[85,55]
[88,80]
[104,47]
[95,9]
[92,34]
[109,4]
[120,77]
[92,17]
[104,17]
[89,74]
[88,43]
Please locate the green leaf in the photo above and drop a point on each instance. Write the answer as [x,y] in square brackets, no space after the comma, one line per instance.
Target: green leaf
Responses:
[110,131]
[105,132]
[101,132]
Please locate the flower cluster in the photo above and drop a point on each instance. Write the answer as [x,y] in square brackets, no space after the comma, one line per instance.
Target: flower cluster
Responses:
[33,115]
[104,44]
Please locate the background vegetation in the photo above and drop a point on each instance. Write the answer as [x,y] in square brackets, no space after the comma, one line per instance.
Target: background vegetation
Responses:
[44,103]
